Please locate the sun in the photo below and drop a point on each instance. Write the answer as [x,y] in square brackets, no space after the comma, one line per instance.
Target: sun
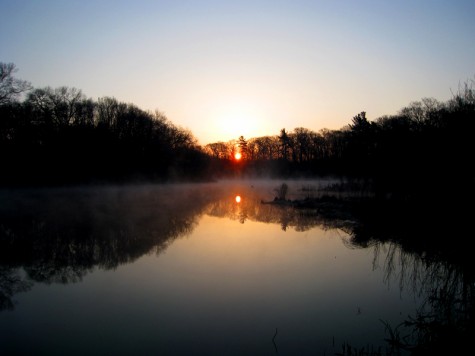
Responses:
[237,156]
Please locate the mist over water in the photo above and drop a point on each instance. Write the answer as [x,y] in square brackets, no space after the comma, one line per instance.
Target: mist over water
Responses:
[190,269]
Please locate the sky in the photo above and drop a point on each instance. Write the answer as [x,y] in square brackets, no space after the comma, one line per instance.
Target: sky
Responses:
[223,69]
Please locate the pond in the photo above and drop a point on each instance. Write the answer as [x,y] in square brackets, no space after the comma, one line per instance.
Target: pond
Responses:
[202,269]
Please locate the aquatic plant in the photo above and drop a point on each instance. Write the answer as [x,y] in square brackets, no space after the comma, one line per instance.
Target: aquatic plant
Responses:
[282,191]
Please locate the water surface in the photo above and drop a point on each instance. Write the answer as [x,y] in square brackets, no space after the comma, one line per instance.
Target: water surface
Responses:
[189,269]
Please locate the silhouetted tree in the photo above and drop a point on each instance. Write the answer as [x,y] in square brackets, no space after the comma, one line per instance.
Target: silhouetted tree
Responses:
[303,141]
[284,144]
[219,150]
[264,148]
[11,87]
[243,149]
[59,106]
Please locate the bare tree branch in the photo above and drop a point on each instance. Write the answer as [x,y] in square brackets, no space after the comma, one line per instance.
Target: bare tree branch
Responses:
[10,87]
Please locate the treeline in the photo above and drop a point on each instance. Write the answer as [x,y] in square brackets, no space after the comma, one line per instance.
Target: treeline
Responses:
[427,147]
[58,136]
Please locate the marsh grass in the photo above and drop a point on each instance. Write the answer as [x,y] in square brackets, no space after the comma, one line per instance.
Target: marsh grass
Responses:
[348,350]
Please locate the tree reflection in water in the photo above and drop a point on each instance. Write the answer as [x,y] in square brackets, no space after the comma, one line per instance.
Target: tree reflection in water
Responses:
[424,256]
[59,235]
[11,282]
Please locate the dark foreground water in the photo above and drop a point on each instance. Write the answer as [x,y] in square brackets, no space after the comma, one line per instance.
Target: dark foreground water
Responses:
[193,270]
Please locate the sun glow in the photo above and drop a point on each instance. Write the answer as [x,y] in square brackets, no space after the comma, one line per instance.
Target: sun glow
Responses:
[238,199]
[237,156]
[235,117]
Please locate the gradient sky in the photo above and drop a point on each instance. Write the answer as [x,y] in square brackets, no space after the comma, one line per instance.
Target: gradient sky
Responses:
[228,68]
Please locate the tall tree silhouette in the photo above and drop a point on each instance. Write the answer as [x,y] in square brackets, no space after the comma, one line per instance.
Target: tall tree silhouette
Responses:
[284,144]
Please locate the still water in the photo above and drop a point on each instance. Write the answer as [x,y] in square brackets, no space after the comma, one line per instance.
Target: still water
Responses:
[190,270]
